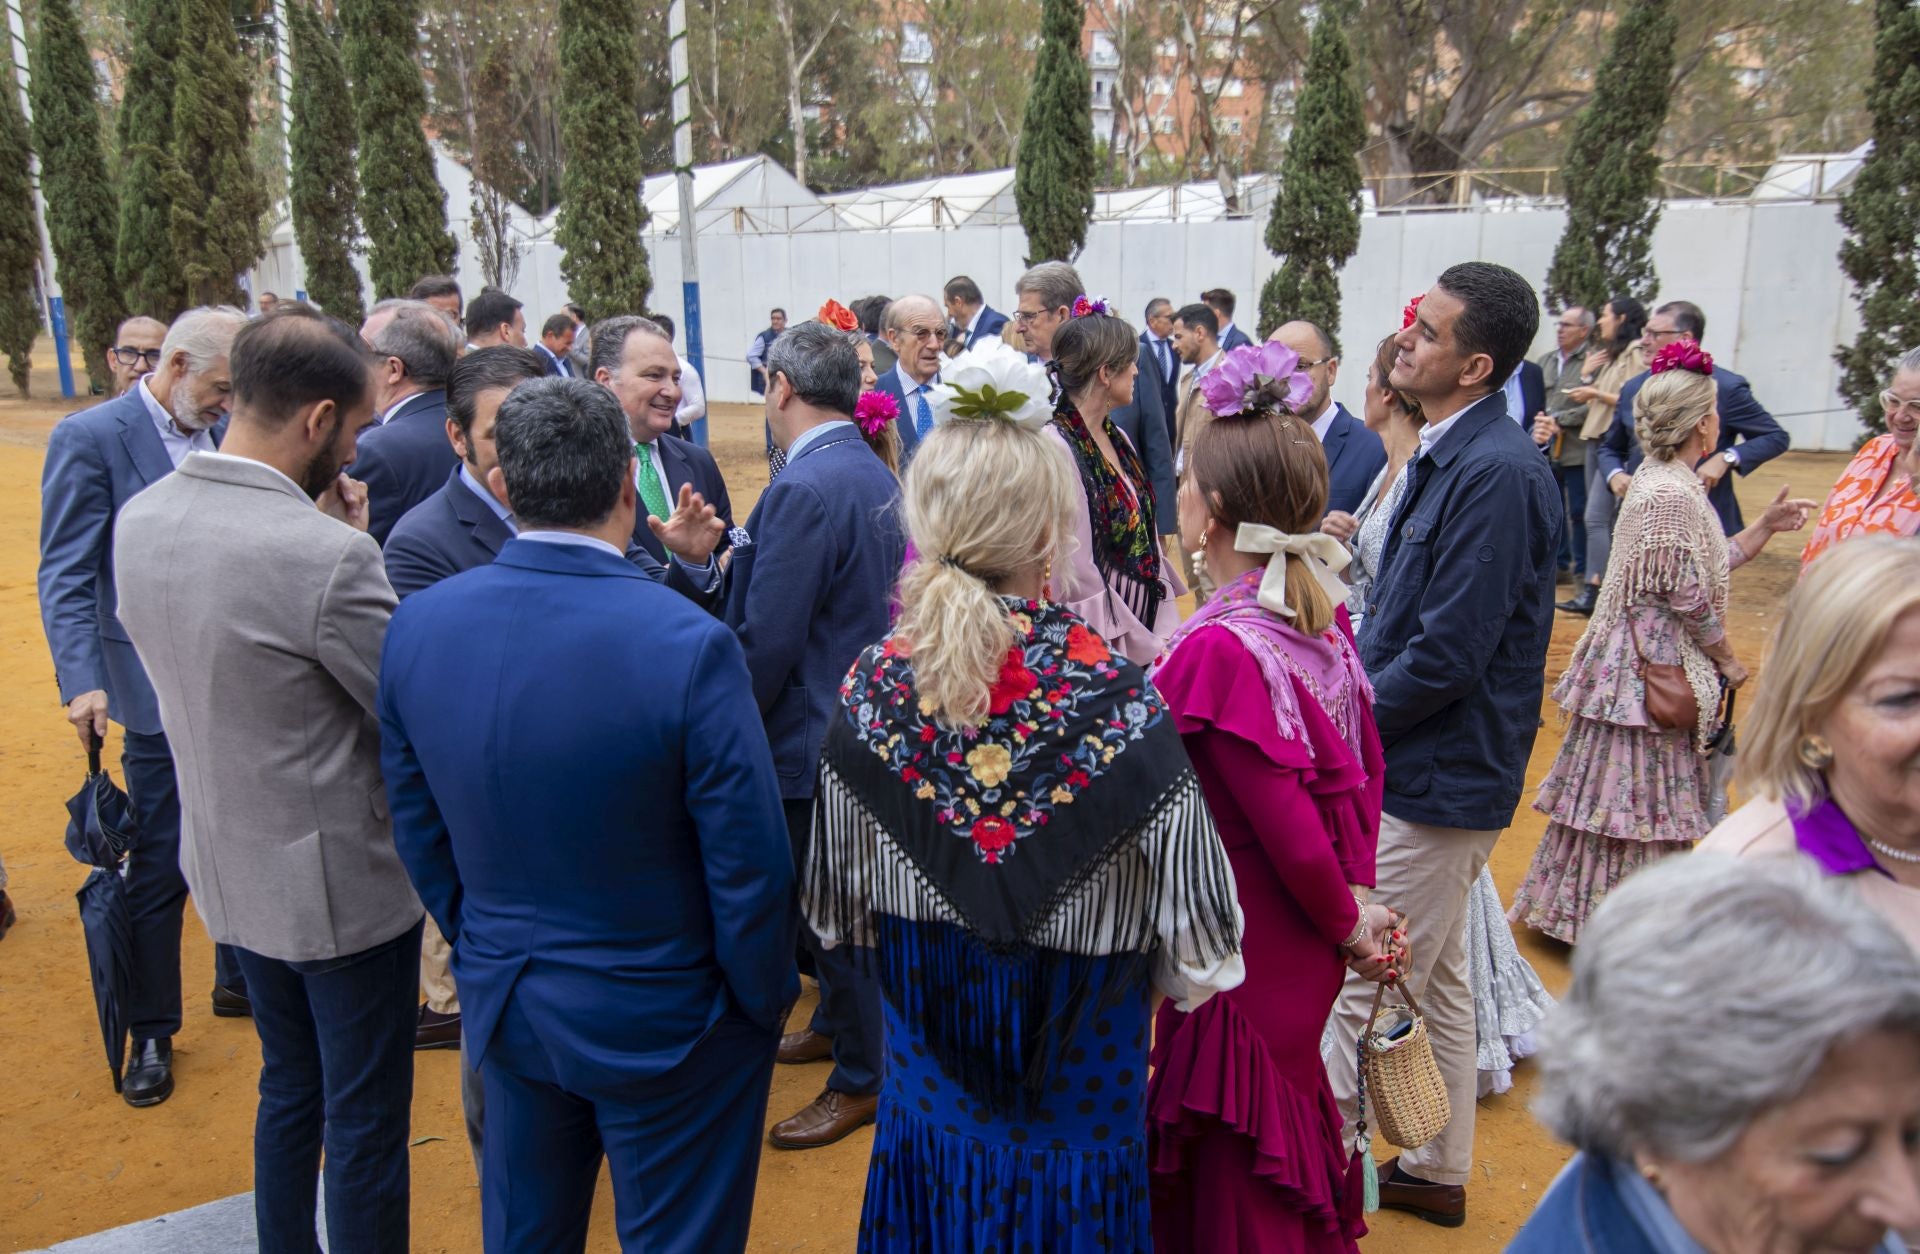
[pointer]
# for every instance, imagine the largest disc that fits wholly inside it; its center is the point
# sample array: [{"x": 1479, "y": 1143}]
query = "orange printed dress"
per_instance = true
[{"x": 1851, "y": 509}]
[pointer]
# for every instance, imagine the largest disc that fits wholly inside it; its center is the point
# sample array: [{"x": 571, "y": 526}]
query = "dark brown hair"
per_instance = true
[
  {"x": 1383, "y": 369},
  {"x": 1270, "y": 470},
  {"x": 1083, "y": 345}
]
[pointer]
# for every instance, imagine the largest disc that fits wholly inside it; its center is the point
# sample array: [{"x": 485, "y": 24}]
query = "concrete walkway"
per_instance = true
[{"x": 221, "y": 1227}]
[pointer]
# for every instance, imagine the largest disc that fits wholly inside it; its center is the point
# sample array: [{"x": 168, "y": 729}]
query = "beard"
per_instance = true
[
  {"x": 185, "y": 415},
  {"x": 323, "y": 467}
]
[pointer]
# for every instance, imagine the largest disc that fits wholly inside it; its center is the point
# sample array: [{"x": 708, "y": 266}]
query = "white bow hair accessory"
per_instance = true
[{"x": 1325, "y": 558}]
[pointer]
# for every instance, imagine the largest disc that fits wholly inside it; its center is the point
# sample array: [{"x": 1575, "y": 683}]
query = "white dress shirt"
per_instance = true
[
  {"x": 394, "y": 411},
  {"x": 1324, "y": 423},
  {"x": 693, "y": 396},
  {"x": 178, "y": 443}
]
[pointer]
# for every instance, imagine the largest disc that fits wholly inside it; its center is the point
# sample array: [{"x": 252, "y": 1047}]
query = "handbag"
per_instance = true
[
  {"x": 1670, "y": 700},
  {"x": 1398, "y": 1070}
]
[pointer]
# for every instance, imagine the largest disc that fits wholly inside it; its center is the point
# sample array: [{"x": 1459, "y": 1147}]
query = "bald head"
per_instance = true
[
  {"x": 916, "y": 328},
  {"x": 135, "y": 350},
  {"x": 1315, "y": 347}
]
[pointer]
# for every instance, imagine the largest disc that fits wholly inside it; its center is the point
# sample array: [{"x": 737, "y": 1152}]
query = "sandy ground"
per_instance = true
[{"x": 75, "y": 1159}]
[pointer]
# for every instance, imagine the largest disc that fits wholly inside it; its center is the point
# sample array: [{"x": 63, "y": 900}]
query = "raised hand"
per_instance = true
[
  {"x": 694, "y": 529},
  {"x": 1784, "y": 514}
]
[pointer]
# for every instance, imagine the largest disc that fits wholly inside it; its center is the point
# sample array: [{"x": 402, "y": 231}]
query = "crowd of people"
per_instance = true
[{"x": 471, "y": 717}]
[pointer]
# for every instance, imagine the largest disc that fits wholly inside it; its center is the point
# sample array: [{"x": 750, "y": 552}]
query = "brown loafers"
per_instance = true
[
  {"x": 832, "y": 1115},
  {"x": 806, "y": 1045},
  {"x": 1442, "y": 1204}
]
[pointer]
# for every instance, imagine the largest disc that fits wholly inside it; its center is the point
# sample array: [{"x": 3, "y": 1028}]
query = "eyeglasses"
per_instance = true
[
  {"x": 1896, "y": 404},
  {"x": 1024, "y": 316},
  {"x": 131, "y": 356},
  {"x": 922, "y": 333},
  {"x": 1656, "y": 332},
  {"x": 1309, "y": 365},
  {"x": 1571, "y": 326}
]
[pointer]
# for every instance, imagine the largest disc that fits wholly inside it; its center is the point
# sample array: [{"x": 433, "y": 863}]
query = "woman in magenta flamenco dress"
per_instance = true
[{"x": 1267, "y": 692}]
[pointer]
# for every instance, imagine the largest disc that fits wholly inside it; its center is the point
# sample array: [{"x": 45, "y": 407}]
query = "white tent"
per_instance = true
[
  {"x": 982, "y": 199},
  {"x": 752, "y": 196}
]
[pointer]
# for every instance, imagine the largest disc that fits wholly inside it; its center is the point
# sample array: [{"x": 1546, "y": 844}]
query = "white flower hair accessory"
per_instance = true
[{"x": 993, "y": 380}]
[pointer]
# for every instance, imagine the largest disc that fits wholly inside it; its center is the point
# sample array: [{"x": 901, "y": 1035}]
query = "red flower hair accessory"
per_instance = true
[
  {"x": 1683, "y": 355},
  {"x": 1411, "y": 312},
  {"x": 874, "y": 411},
  {"x": 835, "y": 314},
  {"x": 1082, "y": 306}
]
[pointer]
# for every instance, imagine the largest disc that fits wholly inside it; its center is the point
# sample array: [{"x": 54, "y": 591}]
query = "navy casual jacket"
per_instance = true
[
  {"x": 1455, "y": 638},
  {"x": 1743, "y": 421}
]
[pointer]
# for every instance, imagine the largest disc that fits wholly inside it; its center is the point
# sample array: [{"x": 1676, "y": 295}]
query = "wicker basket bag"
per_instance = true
[{"x": 1398, "y": 1071}]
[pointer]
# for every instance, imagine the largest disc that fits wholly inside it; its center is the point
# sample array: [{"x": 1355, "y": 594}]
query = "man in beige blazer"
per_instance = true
[{"x": 260, "y": 619}]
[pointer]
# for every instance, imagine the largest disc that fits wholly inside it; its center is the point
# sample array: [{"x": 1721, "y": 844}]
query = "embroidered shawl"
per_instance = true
[{"x": 1126, "y": 543}]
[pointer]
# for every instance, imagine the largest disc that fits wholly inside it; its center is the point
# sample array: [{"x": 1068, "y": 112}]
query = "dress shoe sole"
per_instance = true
[
  {"x": 1436, "y": 1218},
  {"x": 781, "y": 1143},
  {"x": 232, "y": 1012},
  {"x": 152, "y": 1097},
  {"x": 420, "y": 1045},
  {"x": 802, "y": 1059}
]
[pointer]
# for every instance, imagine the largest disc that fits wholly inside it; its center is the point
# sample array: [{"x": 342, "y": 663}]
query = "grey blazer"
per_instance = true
[{"x": 260, "y": 620}]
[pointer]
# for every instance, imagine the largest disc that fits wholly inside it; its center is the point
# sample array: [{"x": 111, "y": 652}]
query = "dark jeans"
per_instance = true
[
  {"x": 1573, "y": 537},
  {"x": 157, "y": 892},
  {"x": 336, "y": 1068},
  {"x": 849, "y": 1009}
]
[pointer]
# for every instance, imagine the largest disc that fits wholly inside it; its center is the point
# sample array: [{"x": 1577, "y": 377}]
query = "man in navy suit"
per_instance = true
[
  {"x": 1525, "y": 392},
  {"x": 633, "y": 358},
  {"x": 1354, "y": 454},
  {"x": 971, "y": 318},
  {"x": 406, "y": 458},
  {"x": 808, "y": 591},
  {"x": 914, "y": 330},
  {"x": 588, "y": 808},
  {"x": 1158, "y": 338},
  {"x": 96, "y": 461},
  {"x": 556, "y": 344},
  {"x": 1749, "y": 437},
  {"x": 1222, "y": 302}
]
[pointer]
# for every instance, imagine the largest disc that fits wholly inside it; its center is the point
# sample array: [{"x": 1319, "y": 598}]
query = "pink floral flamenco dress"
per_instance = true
[{"x": 1625, "y": 792}]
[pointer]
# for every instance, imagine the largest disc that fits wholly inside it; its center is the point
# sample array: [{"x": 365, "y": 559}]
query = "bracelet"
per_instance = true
[{"x": 1359, "y": 928}]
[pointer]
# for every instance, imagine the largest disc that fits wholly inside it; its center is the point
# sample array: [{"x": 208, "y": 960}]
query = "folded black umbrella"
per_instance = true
[{"x": 101, "y": 831}]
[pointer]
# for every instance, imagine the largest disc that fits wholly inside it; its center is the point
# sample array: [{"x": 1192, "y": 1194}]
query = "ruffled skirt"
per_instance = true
[{"x": 1509, "y": 1001}]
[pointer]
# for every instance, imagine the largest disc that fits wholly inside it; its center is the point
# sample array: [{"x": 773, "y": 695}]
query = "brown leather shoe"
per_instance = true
[
  {"x": 806, "y": 1045},
  {"x": 437, "y": 1031},
  {"x": 832, "y": 1116},
  {"x": 1442, "y": 1204}
]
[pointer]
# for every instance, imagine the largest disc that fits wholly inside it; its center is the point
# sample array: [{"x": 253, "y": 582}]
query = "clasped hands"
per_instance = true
[{"x": 1383, "y": 952}]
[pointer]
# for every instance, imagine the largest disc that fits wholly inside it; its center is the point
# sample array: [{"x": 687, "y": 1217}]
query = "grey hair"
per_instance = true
[
  {"x": 421, "y": 337},
  {"x": 564, "y": 451},
  {"x": 895, "y": 317},
  {"x": 1909, "y": 361},
  {"x": 1586, "y": 316},
  {"x": 204, "y": 334},
  {"x": 1707, "y": 990},
  {"x": 820, "y": 363},
  {"x": 609, "y": 340},
  {"x": 1056, "y": 283}
]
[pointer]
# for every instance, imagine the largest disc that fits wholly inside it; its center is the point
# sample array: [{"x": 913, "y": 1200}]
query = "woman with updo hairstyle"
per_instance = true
[
  {"x": 1009, "y": 831},
  {"x": 1396, "y": 418},
  {"x": 1269, "y": 696},
  {"x": 1629, "y": 788},
  {"x": 1113, "y": 575}
]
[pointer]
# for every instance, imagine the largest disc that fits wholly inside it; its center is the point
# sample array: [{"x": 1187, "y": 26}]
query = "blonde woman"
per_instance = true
[
  {"x": 1625, "y": 790},
  {"x": 1008, "y": 825},
  {"x": 1828, "y": 753}
]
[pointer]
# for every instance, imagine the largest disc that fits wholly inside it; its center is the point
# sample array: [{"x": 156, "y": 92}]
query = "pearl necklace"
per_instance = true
[{"x": 1898, "y": 855}]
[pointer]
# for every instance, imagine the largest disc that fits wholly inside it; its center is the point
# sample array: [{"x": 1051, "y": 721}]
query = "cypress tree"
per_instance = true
[
  {"x": 402, "y": 205},
  {"x": 1315, "y": 223},
  {"x": 1882, "y": 215},
  {"x": 324, "y": 189},
  {"x": 602, "y": 257},
  {"x": 1612, "y": 169},
  {"x": 81, "y": 212},
  {"x": 149, "y": 273},
  {"x": 19, "y": 236},
  {"x": 1054, "y": 169},
  {"x": 218, "y": 197}
]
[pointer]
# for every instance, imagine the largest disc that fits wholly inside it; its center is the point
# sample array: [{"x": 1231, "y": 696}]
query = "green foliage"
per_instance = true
[
  {"x": 149, "y": 274},
  {"x": 80, "y": 205},
  {"x": 19, "y": 235},
  {"x": 325, "y": 189},
  {"x": 1316, "y": 215},
  {"x": 603, "y": 259},
  {"x": 401, "y": 203},
  {"x": 217, "y": 197},
  {"x": 1053, "y": 174},
  {"x": 1882, "y": 216},
  {"x": 1612, "y": 168}
]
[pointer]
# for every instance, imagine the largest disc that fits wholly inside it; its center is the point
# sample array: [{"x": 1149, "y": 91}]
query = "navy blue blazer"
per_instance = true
[
  {"x": 812, "y": 589},
  {"x": 891, "y": 382},
  {"x": 96, "y": 461},
  {"x": 1458, "y": 620},
  {"x": 403, "y": 462},
  {"x": 454, "y": 530},
  {"x": 554, "y": 365},
  {"x": 1145, "y": 423},
  {"x": 686, "y": 462},
  {"x": 1743, "y": 421},
  {"x": 1169, "y": 381},
  {"x": 1235, "y": 338},
  {"x": 1354, "y": 456},
  {"x": 588, "y": 810},
  {"x": 1533, "y": 392},
  {"x": 992, "y": 323}
]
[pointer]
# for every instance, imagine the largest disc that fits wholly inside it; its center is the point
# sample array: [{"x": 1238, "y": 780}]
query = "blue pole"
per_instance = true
[
  {"x": 57, "y": 315},
  {"x": 696, "y": 348}
]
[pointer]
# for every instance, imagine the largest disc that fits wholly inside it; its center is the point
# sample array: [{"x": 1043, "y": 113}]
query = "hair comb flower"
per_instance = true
[
  {"x": 835, "y": 314},
  {"x": 1411, "y": 312},
  {"x": 1255, "y": 379},
  {"x": 874, "y": 411},
  {"x": 1082, "y": 306},
  {"x": 1682, "y": 355}
]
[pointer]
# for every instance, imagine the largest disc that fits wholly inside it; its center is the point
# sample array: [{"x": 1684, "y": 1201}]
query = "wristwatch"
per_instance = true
[{"x": 1730, "y": 457}]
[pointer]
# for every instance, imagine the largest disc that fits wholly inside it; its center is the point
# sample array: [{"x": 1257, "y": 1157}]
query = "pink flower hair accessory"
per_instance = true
[
  {"x": 1255, "y": 378},
  {"x": 1683, "y": 355},
  {"x": 874, "y": 411},
  {"x": 1082, "y": 306},
  {"x": 1411, "y": 312}
]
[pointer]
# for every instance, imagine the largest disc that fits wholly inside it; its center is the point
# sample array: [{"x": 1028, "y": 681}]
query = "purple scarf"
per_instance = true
[{"x": 1828, "y": 836}]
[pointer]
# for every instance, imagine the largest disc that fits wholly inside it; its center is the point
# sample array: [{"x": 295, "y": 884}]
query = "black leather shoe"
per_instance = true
[
  {"x": 231, "y": 1003},
  {"x": 149, "y": 1079},
  {"x": 436, "y": 1031},
  {"x": 1583, "y": 602}
]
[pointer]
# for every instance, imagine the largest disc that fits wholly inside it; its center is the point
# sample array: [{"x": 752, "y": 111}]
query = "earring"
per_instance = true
[
  {"x": 1651, "y": 1174},
  {"x": 1815, "y": 753}
]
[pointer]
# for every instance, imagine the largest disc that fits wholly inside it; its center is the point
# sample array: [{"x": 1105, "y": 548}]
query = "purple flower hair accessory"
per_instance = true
[
  {"x": 1082, "y": 306},
  {"x": 1254, "y": 378}
]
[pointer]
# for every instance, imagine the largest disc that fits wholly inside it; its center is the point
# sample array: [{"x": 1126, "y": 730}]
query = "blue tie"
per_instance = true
[{"x": 922, "y": 412}]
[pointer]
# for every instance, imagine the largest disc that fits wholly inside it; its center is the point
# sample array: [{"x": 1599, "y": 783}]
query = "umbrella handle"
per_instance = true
[{"x": 94, "y": 746}]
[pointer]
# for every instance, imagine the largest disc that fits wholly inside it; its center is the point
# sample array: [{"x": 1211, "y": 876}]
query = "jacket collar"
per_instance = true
[
  {"x": 850, "y": 435},
  {"x": 242, "y": 472},
  {"x": 565, "y": 559},
  {"x": 419, "y": 402},
  {"x": 137, "y": 433},
  {"x": 1470, "y": 422},
  {"x": 474, "y": 514}
]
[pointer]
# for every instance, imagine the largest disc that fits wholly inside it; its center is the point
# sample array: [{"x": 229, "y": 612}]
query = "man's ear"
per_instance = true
[
  {"x": 454, "y": 438},
  {"x": 497, "y": 484},
  {"x": 321, "y": 421}
]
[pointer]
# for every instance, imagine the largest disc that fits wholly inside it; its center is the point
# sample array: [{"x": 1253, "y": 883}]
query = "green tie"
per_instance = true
[{"x": 652, "y": 491}]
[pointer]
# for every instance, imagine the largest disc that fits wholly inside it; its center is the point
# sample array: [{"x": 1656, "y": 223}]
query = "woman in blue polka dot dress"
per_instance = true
[{"x": 1008, "y": 829}]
